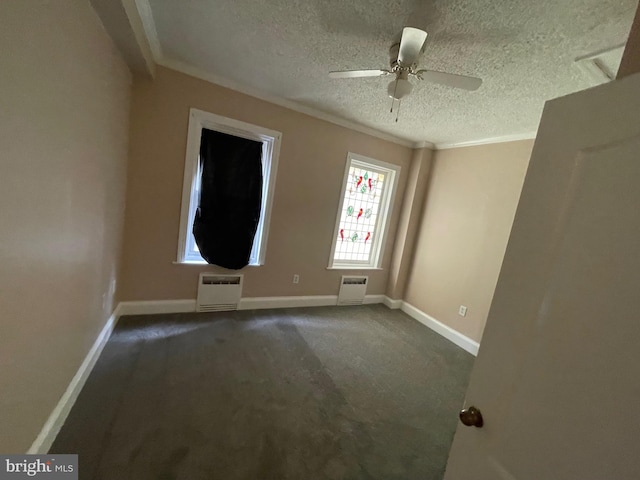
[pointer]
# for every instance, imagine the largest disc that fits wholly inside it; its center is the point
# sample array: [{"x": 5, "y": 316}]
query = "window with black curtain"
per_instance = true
[{"x": 228, "y": 212}]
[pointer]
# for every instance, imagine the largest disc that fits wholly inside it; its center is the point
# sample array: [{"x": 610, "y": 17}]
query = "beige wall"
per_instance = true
[
  {"x": 470, "y": 204},
  {"x": 64, "y": 101},
  {"x": 311, "y": 167}
]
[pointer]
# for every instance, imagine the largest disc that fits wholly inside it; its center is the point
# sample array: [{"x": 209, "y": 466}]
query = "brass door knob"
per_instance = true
[{"x": 471, "y": 417}]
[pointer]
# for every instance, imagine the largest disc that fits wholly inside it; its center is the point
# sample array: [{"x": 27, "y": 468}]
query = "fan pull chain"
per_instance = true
[
  {"x": 395, "y": 87},
  {"x": 398, "y": 110}
]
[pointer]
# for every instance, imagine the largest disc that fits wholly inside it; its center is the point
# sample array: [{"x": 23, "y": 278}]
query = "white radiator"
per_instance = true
[
  {"x": 352, "y": 290},
  {"x": 218, "y": 292}
]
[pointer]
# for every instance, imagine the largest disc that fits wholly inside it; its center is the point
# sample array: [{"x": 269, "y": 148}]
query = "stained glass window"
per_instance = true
[{"x": 362, "y": 216}]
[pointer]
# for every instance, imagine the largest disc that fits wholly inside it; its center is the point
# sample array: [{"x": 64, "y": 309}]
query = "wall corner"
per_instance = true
[{"x": 412, "y": 205}]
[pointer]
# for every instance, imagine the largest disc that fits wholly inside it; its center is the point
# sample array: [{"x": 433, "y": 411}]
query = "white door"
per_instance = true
[{"x": 557, "y": 378}]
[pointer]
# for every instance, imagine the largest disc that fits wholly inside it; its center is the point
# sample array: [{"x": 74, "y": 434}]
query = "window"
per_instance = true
[
  {"x": 187, "y": 248},
  {"x": 367, "y": 196}
]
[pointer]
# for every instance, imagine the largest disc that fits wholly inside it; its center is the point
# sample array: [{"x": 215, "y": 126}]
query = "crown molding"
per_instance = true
[
  {"x": 146, "y": 14},
  {"x": 487, "y": 141},
  {"x": 196, "y": 72},
  {"x": 424, "y": 144},
  {"x": 149, "y": 25}
]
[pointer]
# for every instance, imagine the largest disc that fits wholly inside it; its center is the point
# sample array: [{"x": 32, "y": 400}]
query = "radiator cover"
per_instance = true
[
  {"x": 352, "y": 290},
  {"x": 218, "y": 292}
]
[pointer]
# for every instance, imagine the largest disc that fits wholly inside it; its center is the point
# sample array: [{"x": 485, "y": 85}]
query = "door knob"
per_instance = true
[{"x": 471, "y": 417}]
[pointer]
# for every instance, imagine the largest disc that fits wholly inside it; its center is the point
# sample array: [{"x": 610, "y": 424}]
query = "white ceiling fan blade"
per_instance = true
[
  {"x": 450, "y": 79},
  {"x": 358, "y": 73},
  {"x": 411, "y": 45}
]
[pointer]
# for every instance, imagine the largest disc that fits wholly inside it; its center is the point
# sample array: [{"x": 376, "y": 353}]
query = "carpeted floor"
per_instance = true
[{"x": 294, "y": 394}]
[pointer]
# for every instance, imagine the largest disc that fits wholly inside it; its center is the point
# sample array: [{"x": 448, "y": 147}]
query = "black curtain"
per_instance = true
[{"x": 230, "y": 198}]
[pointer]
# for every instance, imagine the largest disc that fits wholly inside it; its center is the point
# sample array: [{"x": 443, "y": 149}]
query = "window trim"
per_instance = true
[
  {"x": 386, "y": 206},
  {"x": 271, "y": 139}
]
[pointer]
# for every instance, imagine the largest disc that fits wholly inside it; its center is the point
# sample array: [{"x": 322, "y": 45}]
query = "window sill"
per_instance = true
[
  {"x": 205, "y": 264},
  {"x": 354, "y": 268}
]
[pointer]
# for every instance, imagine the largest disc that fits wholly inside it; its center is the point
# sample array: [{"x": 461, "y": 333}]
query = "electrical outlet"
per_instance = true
[
  {"x": 296, "y": 278},
  {"x": 462, "y": 311}
]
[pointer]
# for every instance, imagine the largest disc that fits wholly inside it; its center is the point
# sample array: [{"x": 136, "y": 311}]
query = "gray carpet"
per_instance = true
[{"x": 318, "y": 393}]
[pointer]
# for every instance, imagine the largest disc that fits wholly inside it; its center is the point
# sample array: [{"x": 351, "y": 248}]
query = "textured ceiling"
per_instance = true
[{"x": 524, "y": 51}]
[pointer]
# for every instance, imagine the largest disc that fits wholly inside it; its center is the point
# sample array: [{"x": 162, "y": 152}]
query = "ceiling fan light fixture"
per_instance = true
[
  {"x": 404, "y": 57},
  {"x": 399, "y": 88}
]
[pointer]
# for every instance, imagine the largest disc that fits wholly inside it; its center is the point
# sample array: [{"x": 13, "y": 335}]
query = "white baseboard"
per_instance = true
[
  {"x": 58, "y": 416},
  {"x": 256, "y": 303},
  {"x": 150, "y": 307},
  {"x": 391, "y": 303},
  {"x": 447, "y": 332},
  {"x": 371, "y": 299}
]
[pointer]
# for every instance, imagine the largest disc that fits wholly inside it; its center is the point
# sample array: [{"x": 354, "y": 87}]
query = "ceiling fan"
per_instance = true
[{"x": 404, "y": 57}]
